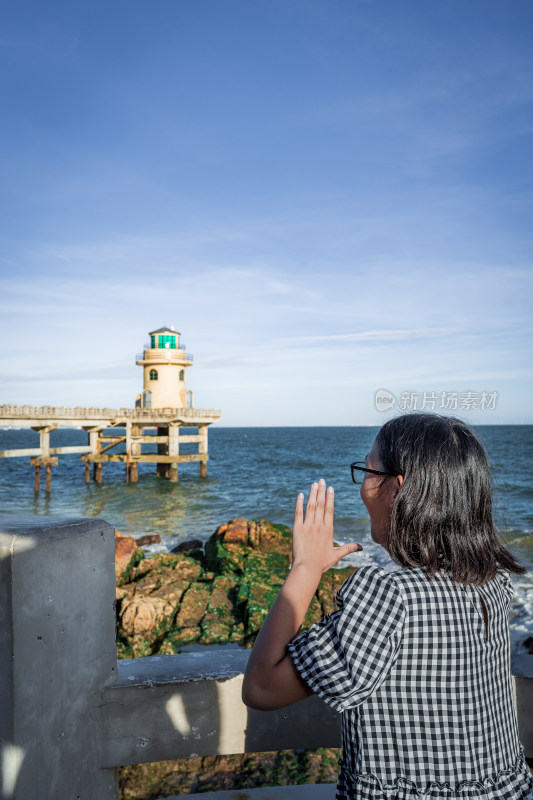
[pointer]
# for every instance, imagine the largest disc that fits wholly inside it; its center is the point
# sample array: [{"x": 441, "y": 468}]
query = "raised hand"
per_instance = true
[
  {"x": 312, "y": 534},
  {"x": 271, "y": 679}
]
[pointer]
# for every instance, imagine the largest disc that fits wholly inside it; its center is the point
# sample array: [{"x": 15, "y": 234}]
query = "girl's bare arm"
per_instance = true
[{"x": 271, "y": 680}]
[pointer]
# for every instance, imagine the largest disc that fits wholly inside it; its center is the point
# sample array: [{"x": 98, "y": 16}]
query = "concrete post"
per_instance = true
[
  {"x": 94, "y": 444},
  {"x": 174, "y": 450},
  {"x": 57, "y": 652},
  {"x": 94, "y": 441},
  {"x": 135, "y": 452},
  {"x": 202, "y": 448},
  {"x": 162, "y": 450}
]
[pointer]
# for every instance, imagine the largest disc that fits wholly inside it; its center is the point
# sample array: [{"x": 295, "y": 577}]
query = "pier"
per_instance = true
[{"x": 171, "y": 424}]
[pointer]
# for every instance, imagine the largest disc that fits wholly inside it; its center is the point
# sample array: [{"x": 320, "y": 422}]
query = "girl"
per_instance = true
[{"x": 416, "y": 658}]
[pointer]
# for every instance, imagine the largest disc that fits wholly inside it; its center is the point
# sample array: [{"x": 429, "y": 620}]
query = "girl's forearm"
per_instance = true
[
  {"x": 271, "y": 680},
  {"x": 286, "y": 616}
]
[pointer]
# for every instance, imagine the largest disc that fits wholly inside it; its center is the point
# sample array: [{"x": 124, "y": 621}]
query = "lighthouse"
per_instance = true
[
  {"x": 164, "y": 361},
  {"x": 165, "y": 405}
]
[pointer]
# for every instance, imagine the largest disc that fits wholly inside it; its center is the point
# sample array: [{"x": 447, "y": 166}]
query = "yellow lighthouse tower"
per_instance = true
[{"x": 164, "y": 361}]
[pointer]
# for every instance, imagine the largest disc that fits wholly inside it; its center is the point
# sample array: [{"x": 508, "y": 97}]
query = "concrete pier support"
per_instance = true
[
  {"x": 133, "y": 445},
  {"x": 47, "y": 462},
  {"x": 173, "y": 450},
  {"x": 162, "y": 450},
  {"x": 57, "y": 631},
  {"x": 97, "y": 471},
  {"x": 133, "y": 472},
  {"x": 202, "y": 449},
  {"x": 87, "y": 472},
  {"x": 37, "y": 478}
]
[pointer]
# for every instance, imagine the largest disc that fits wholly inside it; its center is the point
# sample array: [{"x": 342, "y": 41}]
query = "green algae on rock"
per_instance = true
[
  {"x": 218, "y": 596},
  {"x": 238, "y": 772}
]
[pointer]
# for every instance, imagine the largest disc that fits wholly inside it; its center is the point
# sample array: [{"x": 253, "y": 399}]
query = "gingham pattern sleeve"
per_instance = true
[
  {"x": 347, "y": 656},
  {"x": 506, "y": 588}
]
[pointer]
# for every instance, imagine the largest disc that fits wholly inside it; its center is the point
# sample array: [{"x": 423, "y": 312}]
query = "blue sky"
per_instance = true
[{"x": 325, "y": 198}]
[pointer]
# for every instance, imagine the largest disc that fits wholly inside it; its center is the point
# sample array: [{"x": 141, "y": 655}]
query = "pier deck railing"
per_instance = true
[
  {"x": 27, "y": 415},
  {"x": 71, "y": 713}
]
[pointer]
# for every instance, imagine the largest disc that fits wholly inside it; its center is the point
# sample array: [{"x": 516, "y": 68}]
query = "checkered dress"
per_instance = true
[{"x": 426, "y": 694}]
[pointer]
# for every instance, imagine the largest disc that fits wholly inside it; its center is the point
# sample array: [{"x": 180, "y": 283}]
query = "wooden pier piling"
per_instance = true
[
  {"x": 132, "y": 473},
  {"x": 43, "y": 461}
]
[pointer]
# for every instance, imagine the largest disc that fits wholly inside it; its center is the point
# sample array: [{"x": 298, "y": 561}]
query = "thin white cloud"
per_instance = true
[{"x": 371, "y": 335}]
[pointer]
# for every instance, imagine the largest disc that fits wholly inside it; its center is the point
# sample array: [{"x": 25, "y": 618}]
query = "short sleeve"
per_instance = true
[
  {"x": 346, "y": 657},
  {"x": 506, "y": 588}
]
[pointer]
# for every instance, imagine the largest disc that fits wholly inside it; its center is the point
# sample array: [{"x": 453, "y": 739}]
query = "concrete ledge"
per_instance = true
[
  {"x": 323, "y": 791},
  {"x": 166, "y": 707}
]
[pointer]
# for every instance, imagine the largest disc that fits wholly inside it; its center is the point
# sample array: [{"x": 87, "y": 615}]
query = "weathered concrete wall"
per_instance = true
[
  {"x": 57, "y": 629},
  {"x": 165, "y": 707}
]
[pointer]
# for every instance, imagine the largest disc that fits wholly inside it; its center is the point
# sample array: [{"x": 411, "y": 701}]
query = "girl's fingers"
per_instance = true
[
  {"x": 329, "y": 508},
  {"x": 311, "y": 503},
  {"x": 299, "y": 509},
  {"x": 345, "y": 550},
  {"x": 320, "y": 500}
]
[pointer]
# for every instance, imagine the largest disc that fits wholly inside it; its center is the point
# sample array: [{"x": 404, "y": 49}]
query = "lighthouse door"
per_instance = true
[{"x": 147, "y": 399}]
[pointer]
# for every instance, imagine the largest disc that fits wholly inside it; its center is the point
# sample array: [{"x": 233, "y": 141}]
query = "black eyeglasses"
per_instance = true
[{"x": 358, "y": 467}]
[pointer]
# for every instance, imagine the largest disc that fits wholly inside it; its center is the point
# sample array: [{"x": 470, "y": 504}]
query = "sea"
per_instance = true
[{"x": 256, "y": 473}]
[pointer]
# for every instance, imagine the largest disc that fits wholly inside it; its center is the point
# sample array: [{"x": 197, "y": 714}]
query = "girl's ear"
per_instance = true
[{"x": 397, "y": 485}]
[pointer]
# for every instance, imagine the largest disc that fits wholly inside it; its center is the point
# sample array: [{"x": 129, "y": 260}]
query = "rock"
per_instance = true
[
  {"x": 193, "y": 606},
  {"x": 188, "y": 546},
  {"x": 238, "y": 772},
  {"x": 173, "y": 599},
  {"x": 528, "y": 644},
  {"x": 149, "y": 538},
  {"x": 139, "y": 615},
  {"x": 127, "y": 553},
  {"x": 236, "y": 531}
]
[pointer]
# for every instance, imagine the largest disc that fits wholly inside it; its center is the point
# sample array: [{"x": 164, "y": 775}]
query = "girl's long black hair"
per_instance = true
[{"x": 442, "y": 518}]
